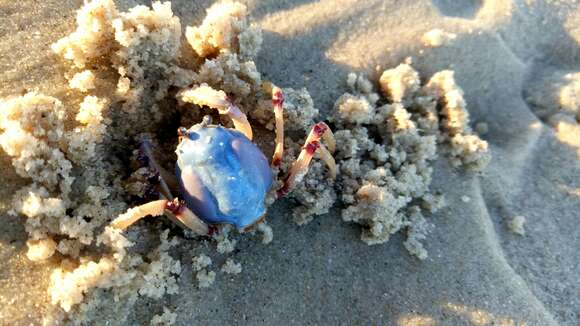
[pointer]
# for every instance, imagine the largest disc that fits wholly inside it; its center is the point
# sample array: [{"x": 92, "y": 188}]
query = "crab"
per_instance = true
[{"x": 222, "y": 176}]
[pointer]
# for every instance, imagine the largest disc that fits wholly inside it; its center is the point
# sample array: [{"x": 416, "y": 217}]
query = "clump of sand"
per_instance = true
[
  {"x": 39, "y": 250},
  {"x": 232, "y": 267},
  {"x": 387, "y": 146},
  {"x": 45, "y": 149},
  {"x": 225, "y": 30},
  {"x": 464, "y": 147},
  {"x": 166, "y": 318},
  {"x": 267, "y": 232},
  {"x": 125, "y": 275},
  {"x": 554, "y": 96},
  {"x": 516, "y": 225},
  {"x": 141, "y": 46},
  {"x": 437, "y": 37},
  {"x": 204, "y": 276},
  {"x": 83, "y": 81}
]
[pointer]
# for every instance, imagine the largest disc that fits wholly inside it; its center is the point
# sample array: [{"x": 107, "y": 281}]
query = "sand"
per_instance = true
[{"x": 516, "y": 63}]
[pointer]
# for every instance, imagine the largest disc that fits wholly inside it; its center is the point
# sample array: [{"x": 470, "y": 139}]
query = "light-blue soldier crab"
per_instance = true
[{"x": 223, "y": 176}]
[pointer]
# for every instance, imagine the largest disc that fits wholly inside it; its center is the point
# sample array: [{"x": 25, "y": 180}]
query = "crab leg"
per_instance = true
[
  {"x": 278, "y": 102},
  {"x": 160, "y": 207},
  {"x": 145, "y": 149},
  {"x": 154, "y": 208},
  {"x": 328, "y": 138},
  {"x": 299, "y": 168},
  {"x": 312, "y": 146},
  {"x": 325, "y": 155},
  {"x": 205, "y": 95}
]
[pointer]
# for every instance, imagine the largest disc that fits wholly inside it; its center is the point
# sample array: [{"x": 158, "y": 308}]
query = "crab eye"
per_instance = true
[{"x": 183, "y": 132}]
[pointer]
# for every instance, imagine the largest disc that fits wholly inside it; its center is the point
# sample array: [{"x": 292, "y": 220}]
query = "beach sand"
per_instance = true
[{"x": 517, "y": 63}]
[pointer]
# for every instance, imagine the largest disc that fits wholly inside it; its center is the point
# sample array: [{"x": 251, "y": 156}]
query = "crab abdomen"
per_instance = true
[{"x": 224, "y": 177}]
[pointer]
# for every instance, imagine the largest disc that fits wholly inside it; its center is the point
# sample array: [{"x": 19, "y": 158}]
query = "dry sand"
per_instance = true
[{"x": 514, "y": 60}]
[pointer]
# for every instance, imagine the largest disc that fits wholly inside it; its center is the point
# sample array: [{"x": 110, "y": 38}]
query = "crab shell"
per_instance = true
[{"x": 224, "y": 177}]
